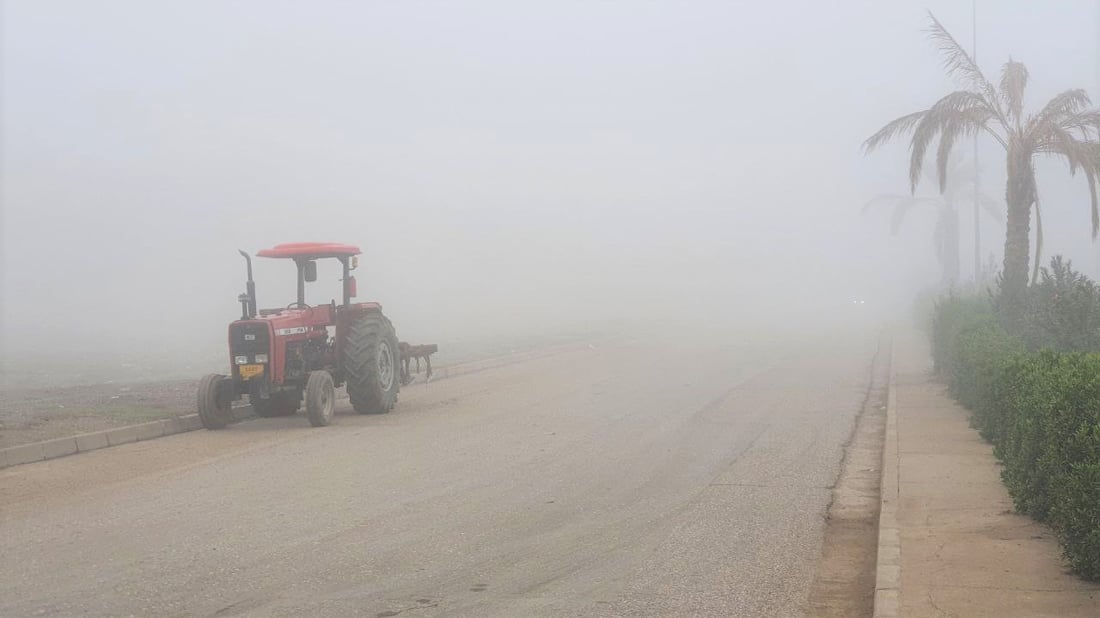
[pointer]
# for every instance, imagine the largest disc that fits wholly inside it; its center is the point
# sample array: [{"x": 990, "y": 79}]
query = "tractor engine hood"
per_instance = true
[{"x": 291, "y": 319}]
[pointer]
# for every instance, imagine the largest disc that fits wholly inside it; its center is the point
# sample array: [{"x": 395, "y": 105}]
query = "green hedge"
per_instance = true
[{"x": 1041, "y": 411}]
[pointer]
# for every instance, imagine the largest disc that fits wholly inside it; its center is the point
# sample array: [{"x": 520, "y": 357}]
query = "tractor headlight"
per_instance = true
[
  {"x": 261, "y": 358},
  {"x": 240, "y": 360}
]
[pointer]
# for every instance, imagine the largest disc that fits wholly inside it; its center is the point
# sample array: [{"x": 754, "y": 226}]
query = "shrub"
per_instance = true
[
  {"x": 1069, "y": 463},
  {"x": 1041, "y": 411},
  {"x": 1075, "y": 515},
  {"x": 1026, "y": 429},
  {"x": 981, "y": 352},
  {"x": 1063, "y": 310},
  {"x": 951, "y": 316}
]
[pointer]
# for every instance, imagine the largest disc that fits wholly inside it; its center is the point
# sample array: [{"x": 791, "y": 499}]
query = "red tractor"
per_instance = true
[{"x": 281, "y": 356}]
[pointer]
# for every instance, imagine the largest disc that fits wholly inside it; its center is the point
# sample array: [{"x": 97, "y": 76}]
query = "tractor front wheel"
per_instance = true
[
  {"x": 215, "y": 401},
  {"x": 372, "y": 364},
  {"x": 320, "y": 398}
]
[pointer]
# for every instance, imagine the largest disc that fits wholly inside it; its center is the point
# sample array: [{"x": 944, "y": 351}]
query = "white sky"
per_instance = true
[{"x": 502, "y": 164}]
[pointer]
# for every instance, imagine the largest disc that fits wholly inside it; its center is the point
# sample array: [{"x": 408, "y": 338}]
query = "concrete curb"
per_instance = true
[
  {"x": 888, "y": 561},
  {"x": 62, "y": 447}
]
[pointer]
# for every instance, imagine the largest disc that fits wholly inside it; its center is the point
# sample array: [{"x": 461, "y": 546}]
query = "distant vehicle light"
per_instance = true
[
  {"x": 261, "y": 358},
  {"x": 241, "y": 360}
]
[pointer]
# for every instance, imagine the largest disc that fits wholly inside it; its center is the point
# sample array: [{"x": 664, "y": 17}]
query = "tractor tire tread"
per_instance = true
[
  {"x": 212, "y": 413},
  {"x": 320, "y": 396},
  {"x": 360, "y": 361}
]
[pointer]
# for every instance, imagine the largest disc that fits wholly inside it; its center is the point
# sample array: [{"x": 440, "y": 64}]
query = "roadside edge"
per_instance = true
[
  {"x": 888, "y": 561},
  {"x": 61, "y": 447}
]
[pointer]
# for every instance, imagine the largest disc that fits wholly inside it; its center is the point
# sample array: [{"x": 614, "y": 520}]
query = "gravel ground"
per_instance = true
[{"x": 617, "y": 480}]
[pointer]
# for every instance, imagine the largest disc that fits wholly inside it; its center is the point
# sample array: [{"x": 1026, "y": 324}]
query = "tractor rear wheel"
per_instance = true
[
  {"x": 283, "y": 403},
  {"x": 215, "y": 401},
  {"x": 320, "y": 398},
  {"x": 372, "y": 363}
]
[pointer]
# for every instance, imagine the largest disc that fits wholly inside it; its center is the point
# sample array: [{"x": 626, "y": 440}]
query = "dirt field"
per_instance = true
[
  {"x": 42, "y": 413},
  {"x": 31, "y": 411}
]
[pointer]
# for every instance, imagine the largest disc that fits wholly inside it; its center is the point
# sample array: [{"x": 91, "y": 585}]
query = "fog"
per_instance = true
[{"x": 508, "y": 169}]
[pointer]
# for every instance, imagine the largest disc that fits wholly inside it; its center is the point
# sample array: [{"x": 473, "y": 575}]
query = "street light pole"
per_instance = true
[
  {"x": 1097, "y": 93},
  {"x": 977, "y": 174}
]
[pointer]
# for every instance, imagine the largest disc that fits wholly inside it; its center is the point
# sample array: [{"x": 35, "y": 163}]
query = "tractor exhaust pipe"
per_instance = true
[{"x": 248, "y": 299}]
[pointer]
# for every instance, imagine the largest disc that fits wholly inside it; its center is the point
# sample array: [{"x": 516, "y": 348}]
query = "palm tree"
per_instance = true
[
  {"x": 945, "y": 236},
  {"x": 1065, "y": 127}
]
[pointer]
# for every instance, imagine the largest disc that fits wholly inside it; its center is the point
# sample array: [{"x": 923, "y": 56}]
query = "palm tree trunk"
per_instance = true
[{"x": 1019, "y": 196}]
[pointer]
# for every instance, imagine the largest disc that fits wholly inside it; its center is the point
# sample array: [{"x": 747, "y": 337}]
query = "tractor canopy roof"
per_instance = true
[{"x": 309, "y": 250}]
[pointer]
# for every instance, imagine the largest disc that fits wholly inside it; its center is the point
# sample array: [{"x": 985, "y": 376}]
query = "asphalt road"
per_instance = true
[{"x": 618, "y": 480}]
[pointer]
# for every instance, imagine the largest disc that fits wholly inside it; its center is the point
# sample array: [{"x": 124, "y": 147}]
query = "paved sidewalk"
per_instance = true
[{"x": 963, "y": 550}]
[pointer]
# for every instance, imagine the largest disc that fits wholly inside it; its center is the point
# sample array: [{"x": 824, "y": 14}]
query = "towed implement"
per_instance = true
[{"x": 299, "y": 353}]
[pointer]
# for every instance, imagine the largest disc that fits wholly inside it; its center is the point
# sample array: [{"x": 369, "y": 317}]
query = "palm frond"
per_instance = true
[
  {"x": 950, "y": 132},
  {"x": 1064, "y": 105},
  {"x": 968, "y": 123},
  {"x": 960, "y": 174},
  {"x": 923, "y": 135},
  {"x": 1067, "y": 102},
  {"x": 960, "y": 179},
  {"x": 1086, "y": 123},
  {"x": 1013, "y": 83},
  {"x": 1080, "y": 154},
  {"x": 1058, "y": 141},
  {"x": 892, "y": 130},
  {"x": 958, "y": 63},
  {"x": 959, "y": 113}
]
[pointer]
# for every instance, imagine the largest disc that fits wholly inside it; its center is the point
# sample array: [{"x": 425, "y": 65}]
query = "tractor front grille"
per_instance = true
[{"x": 249, "y": 338}]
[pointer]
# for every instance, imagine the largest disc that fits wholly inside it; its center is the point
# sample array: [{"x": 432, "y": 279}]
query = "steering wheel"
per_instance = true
[{"x": 299, "y": 305}]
